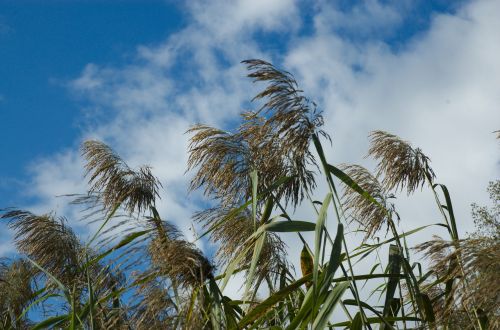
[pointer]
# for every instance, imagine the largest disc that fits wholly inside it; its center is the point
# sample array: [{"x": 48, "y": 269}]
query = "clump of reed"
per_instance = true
[{"x": 138, "y": 271}]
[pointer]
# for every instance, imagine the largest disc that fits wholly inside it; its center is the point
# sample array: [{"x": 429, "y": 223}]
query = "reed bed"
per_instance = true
[{"x": 149, "y": 276}]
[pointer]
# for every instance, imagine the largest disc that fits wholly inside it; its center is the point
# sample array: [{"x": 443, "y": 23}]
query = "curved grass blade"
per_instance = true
[
  {"x": 449, "y": 208},
  {"x": 51, "y": 322},
  {"x": 352, "y": 184},
  {"x": 371, "y": 247},
  {"x": 52, "y": 277},
  {"x": 37, "y": 301},
  {"x": 125, "y": 241},
  {"x": 105, "y": 222},
  {"x": 320, "y": 224},
  {"x": 290, "y": 226},
  {"x": 329, "y": 305}
]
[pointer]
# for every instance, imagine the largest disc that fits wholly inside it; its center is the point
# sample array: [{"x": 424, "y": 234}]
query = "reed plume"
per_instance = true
[
  {"x": 274, "y": 140},
  {"x": 180, "y": 261},
  {"x": 476, "y": 285},
  {"x": 117, "y": 183},
  {"x": 400, "y": 165},
  {"x": 48, "y": 241},
  {"x": 224, "y": 161},
  {"x": 370, "y": 216},
  {"x": 231, "y": 232},
  {"x": 155, "y": 309},
  {"x": 17, "y": 291},
  {"x": 293, "y": 117}
]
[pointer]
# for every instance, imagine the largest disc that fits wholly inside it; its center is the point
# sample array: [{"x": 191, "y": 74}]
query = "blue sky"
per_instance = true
[
  {"x": 137, "y": 74},
  {"x": 45, "y": 45}
]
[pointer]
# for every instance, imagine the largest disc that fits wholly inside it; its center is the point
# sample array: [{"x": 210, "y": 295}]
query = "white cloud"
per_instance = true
[
  {"x": 363, "y": 19},
  {"x": 229, "y": 19},
  {"x": 441, "y": 91}
]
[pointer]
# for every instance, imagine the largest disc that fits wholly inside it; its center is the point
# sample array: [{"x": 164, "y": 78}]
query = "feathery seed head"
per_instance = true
[
  {"x": 48, "y": 241},
  {"x": 17, "y": 288},
  {"x": 275, "y": 141},
  {"x": 474, "y": 265},
  {"x": 180, "y": 261},
  {"x": 118, "y": 184},
  {"x": 231, "y": 232},
  {"x": 400, "y": 164},
  {"x": 370, "y": 216}
]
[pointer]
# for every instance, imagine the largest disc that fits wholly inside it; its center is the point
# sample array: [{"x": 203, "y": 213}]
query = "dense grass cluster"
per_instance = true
[{"x": 138, "y": 271}]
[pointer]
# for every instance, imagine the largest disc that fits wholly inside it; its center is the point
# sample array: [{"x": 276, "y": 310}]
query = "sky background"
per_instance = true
[{"x": 137, "y": 75}]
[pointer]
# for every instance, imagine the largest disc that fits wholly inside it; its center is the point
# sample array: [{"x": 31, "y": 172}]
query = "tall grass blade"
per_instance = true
[
  {"x": 357, "y": 322},
  {"x": 377, "y": 320},
  {"x": 215, "y": 305},
  {"x": 90, "y": 289},
  {"x": 259, "y": 244},
  {"x": 320, "y": 224},
  {"x": 449, "y": 208},
  {"x": 329, "y": 305},
  {"x": 55, "y": 280},
  {"x": 335, "y": 259},
  {"x": 232, "y": 266},
  {"x": 352, "y": 302},
  {"x": 428, "y": 310}
]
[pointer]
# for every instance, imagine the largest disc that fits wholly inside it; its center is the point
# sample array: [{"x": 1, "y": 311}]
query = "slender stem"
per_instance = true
[
  {"x": 402, "y": 306},
  {"x": 412, "y": 289}
]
